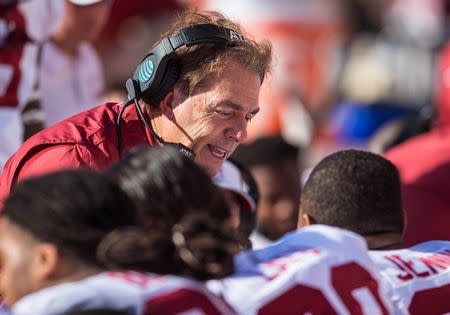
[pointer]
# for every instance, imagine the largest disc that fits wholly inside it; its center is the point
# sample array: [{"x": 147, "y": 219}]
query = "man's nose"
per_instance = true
[{"x": 238, "y": 131}]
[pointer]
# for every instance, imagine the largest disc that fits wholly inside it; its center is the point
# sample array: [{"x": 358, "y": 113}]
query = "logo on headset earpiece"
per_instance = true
[{"x": 146, "y": 71}]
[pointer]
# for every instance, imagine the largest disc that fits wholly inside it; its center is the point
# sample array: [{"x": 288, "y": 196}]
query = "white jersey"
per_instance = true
[
  {"x": 417, "y": 278},
  {"x": 22, "y": 28},
  {"x": 69, "y": 85},
  {"x": 97, "y": 291},
  {"x": 4, "y": 310},
  {"x": 259, "y": 240},
  {"x": 315, "y": 270},
  {"x": 132, "y": 292}
]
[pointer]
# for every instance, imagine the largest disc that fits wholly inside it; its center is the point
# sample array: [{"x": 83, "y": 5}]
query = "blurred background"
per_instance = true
[
  {"x": 366, "y": 74},
  {"x": 347, "y": 73}
]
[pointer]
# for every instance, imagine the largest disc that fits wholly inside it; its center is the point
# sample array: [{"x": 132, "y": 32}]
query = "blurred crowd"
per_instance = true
[
  {"x": 349, "y": 73},
  {"x": 358, "y": 90}
]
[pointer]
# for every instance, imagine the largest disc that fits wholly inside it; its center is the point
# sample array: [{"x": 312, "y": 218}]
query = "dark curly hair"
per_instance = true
[{"x": 183, "y": 217}]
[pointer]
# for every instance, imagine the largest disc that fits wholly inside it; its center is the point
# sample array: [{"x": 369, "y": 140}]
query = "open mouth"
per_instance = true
[{"x": 217, "y": 152}]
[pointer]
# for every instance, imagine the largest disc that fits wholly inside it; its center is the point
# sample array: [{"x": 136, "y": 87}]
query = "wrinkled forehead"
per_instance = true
[{"x": 235, "y": 85}]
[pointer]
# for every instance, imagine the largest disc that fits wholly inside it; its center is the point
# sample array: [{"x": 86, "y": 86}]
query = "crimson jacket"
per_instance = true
[
  {"x": 88, "y": 139},
  {"x": 424, "y": 166}
]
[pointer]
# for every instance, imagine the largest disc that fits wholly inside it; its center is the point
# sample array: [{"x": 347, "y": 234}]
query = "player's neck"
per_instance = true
[
  {"x": 72, "y": 273},
  {"x": 385, "y": 241}
]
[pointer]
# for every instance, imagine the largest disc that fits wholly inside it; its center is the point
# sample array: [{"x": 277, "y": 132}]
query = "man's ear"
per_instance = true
[
  {"x": 46, "y": 260},
  {"x": 305, "y": 219},
  {"x": 167, "y": 104}
]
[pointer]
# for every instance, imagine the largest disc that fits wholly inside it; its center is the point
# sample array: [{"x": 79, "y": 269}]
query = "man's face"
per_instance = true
[
  {"x": 15, "y": 262},
  {"x": 213, "y": 121},
  {"x": 279, "y": 188}
]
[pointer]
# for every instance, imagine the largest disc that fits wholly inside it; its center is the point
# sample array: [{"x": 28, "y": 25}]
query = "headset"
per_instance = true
[{"x": 159, "y": 70}]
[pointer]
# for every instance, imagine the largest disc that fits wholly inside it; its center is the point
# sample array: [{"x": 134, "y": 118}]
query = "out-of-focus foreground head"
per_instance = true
[
  {"x": 184, "y": 218},
  {"x": 51, "y": 227}
]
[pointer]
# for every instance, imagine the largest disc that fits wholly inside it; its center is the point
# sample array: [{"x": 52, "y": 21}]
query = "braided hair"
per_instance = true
[{"x": 184, "y": 228}]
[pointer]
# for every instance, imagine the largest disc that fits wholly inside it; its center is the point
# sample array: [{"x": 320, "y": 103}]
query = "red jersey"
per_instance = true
[
  {"x": 424, "y": 164},
  {"x": 88, "y": 139}
]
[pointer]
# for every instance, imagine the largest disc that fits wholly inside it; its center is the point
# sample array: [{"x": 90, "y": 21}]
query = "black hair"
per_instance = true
[
  {"x": 265, "y": 151},
  {"x": 183, "y": 217},
  {"x": 355, "y": 190},
  {"x": 73, "y": 209}
]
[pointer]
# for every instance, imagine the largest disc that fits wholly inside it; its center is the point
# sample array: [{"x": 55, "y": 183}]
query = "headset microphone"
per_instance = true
[
  {"x": 159, "y": 71},
  {"x": 180, "y": 147}
]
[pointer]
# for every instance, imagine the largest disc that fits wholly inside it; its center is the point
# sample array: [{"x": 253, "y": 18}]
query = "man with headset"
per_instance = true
[{"x": 197, "y": 89}]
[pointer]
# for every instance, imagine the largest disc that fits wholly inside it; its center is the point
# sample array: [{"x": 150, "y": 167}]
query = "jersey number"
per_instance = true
[{"x": 346, "y": 279}]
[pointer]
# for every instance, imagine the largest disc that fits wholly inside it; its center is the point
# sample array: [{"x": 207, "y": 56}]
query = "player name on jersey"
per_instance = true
[
  {"x": 417, "y": 279},
  {"x": 420, "y": 267}
]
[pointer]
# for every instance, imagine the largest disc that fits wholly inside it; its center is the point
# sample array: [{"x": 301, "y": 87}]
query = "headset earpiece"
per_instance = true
[
  {"x": 159, "y": 70},
  {"x": 168, "y": 81}
]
